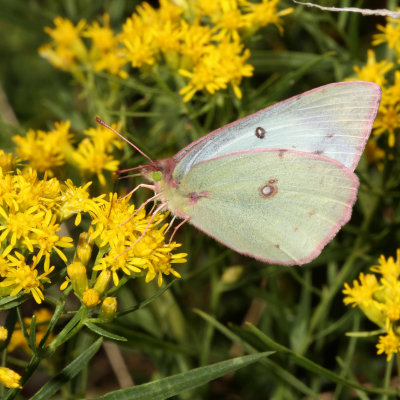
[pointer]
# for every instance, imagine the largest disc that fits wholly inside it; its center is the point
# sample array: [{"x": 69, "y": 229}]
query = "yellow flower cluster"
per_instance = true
[
  {"x": 379, "y": 300},
  {"x": 47, "y": 151},
  {"x": 31, "y": 211},
  {"x": 387, "y": 121},
  {"x": 29, "y": 224},
  {"x": 199, "y": 39}
]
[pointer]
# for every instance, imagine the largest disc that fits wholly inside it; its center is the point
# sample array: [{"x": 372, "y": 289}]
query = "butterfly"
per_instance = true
[{"x": 278, "y": 184}]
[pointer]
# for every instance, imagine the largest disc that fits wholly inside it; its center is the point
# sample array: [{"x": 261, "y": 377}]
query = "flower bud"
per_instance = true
[
  {"x": 91, "y": 297},
  {"x": 77, "y": 274},
  {"x": 102, "y": 281},
  {"x": 108, "y": 308}
]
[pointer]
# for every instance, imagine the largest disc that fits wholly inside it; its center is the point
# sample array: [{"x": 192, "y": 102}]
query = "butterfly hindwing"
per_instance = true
[{"x": 278, "y": 206}]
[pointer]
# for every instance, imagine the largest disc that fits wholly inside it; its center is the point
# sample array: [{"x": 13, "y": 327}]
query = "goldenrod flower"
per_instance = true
[
  {"x": 374, "y": 71},
  {"x": 107, "y": 136},
  {"x": 45, "y": 151},
  {"x": 390, "y": 34},
  {"x": 105, "y": 52},
  {"x": 3, "y": 333},
  {"x": 265, "y": 13},
  {"x": 18, "y": 227},
  {"x": 92, "y": 157},
  {"x": 67, "y": 46},
  {"x": 387, "y": 121},
  {"x": 21, "y": 276},
  {"x": 46, "y": 239},
  {"x": 75, "y": 200},
  {"x": 9, "y": 378},
  {"x": 7, "y": 161},
  {"x": 388, "y": 344},
  {"x": 380, "y": 301}
]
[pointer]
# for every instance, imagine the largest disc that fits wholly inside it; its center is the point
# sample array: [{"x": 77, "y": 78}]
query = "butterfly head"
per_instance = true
[{"x": 160, "y": 171}]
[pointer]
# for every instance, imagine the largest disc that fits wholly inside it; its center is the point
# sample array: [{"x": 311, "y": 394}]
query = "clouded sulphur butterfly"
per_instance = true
[{"x": 279, "y": 184}]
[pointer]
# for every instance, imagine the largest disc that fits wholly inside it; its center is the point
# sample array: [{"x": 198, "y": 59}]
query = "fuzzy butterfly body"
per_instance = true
[{"x": 279, "y": 184}]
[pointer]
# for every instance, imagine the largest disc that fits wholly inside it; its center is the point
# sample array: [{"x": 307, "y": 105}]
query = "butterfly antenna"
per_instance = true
[{"x": 101, "y": 122}]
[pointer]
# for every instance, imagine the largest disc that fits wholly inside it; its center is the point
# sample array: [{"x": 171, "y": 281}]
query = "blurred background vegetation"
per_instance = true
[{"x": 300, "y": 308}]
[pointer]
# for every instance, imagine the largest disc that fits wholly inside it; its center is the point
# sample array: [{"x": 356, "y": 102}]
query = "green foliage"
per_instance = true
[{"x": 169, "y": 346}]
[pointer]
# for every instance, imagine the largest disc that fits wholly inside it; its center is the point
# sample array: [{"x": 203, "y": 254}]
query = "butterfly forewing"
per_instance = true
[
  {"x": 278, "y": 206},
  {"x": 333, "y": 120}
]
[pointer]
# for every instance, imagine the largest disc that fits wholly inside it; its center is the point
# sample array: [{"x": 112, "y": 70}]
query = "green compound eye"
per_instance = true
[{"x": 157, "y": 176}]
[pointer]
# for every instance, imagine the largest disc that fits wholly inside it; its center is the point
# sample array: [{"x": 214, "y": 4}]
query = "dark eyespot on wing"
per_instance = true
[
  {"x": 270, "y": 189},
  {"x": 260, "y": 132}
]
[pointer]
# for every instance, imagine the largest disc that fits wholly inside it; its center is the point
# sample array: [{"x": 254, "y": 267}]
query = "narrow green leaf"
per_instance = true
[
  {"x": 11, "y": 320},
  {"x": 32, "y": 334},
  {"x": 102, "y": 332},
  {"x": 313, "y": 367},
  {"x": 67, "y": 373},
  {"x": 173, "y": 385},
  {"x": 147, "y": 301},
  {"x": 8, "y": 302}
]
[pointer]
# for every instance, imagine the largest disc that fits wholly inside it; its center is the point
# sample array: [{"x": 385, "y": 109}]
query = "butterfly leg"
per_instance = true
[
  {"x": 141, "y": 206},
  {"x": 142, "y": 185},
  {"x": 157, "y": 210},
  {"x": 185, "y": 219}
]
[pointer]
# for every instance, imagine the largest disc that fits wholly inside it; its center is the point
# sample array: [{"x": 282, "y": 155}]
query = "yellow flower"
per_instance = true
[
  {"x": 46, "y": 239},
  {"x": 387, "y": 121},
  {"x": 65, "y": 33},
  {"x": 390, "y": 34},
  {"x": 389, "y": 268},
  {"x": 374, "y": 71},
  {"x": 102, "y": 37},
  {"x": 389, "y": 345},
  {"x": 265, "y": 13},
  {"x": 221, "y": 65},
  {"x": 105, "y": 52},
  {"x": 92, "y": 157},
  {"x": 67, "y": 46},
  {"x": 119, "y": 227},
  {"x": 18, "y": 227},
  {"x": 380, "y": 301},
  {"x": 3, "y": 333},
  {"x": 45, "y": 150},
  {"x": 75, "y": 200},
  {"x": 107, "y": 136},
  {"x": 9, "y": 378},
  {"x": 21, "y": 276},
  {"x": 228, "y": 20},
  {"x": 196, "y": 40},
  {"x": 7, "y": 161},
  {"x": 363, "y": 294}
]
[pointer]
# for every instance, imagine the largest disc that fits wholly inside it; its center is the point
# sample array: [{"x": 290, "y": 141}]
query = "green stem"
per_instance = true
[
  {"x": 72, "y": 328},
  {"x": 386, "y": 380}
]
